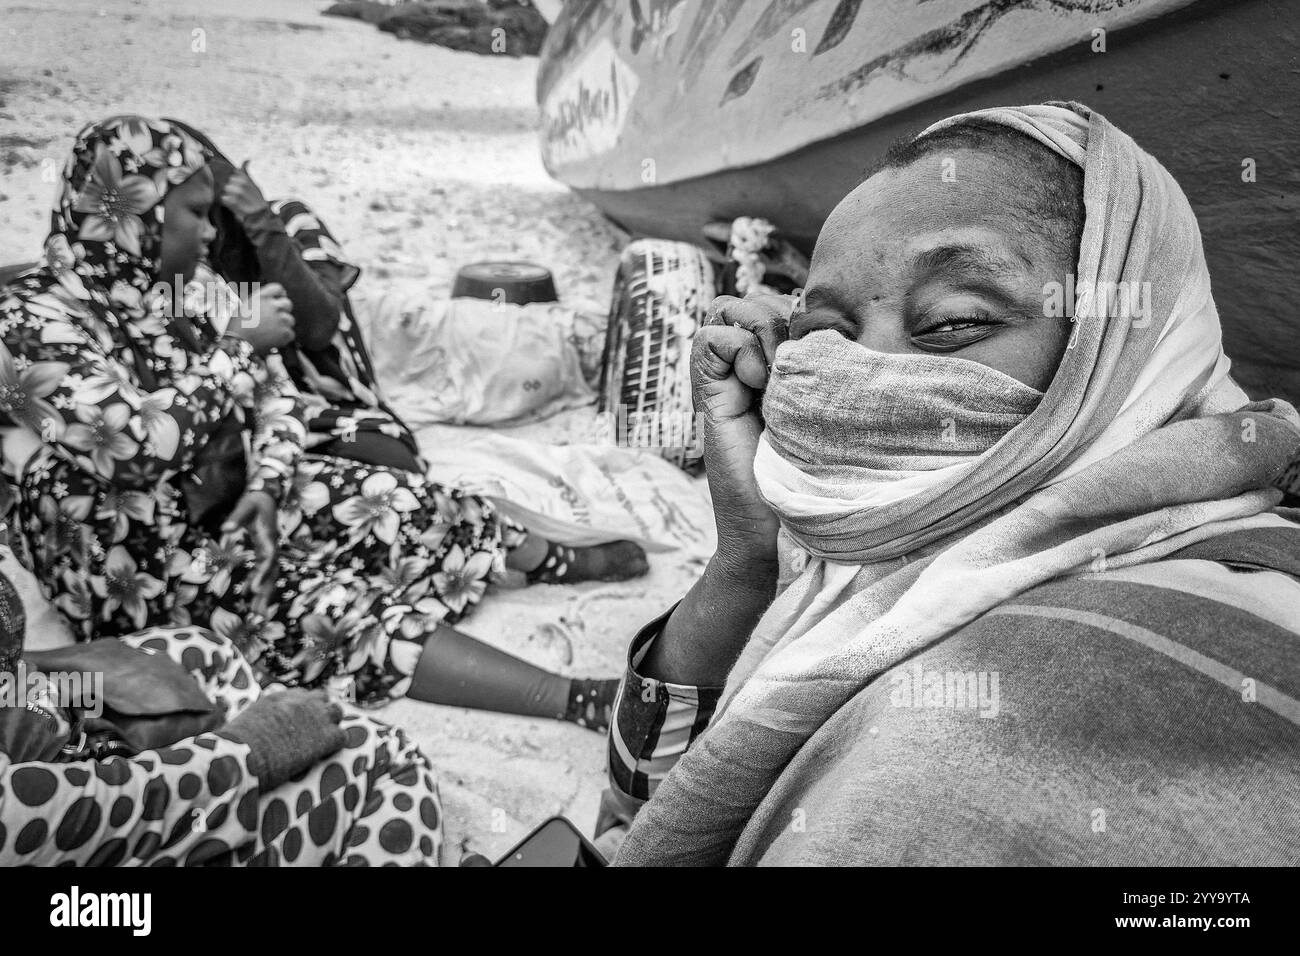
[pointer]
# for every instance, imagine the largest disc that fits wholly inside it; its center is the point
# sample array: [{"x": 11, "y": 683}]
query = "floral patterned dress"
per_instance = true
[{"x": 110, "y": 401}]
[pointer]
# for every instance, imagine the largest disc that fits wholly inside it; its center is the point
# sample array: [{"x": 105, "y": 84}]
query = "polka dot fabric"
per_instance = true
[{"x": 375, "y": 802}]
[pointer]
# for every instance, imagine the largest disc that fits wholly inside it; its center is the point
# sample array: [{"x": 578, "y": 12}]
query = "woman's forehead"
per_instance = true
[
  {"x": 962, "y": 185},
  {"x": 963, "y": 199}
]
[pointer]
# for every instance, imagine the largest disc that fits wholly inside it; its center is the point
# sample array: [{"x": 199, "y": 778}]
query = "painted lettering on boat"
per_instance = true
[{"x": 584, "y": 114}]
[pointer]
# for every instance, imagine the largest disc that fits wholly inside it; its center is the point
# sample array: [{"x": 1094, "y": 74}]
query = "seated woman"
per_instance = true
[
  {"x": 1034, "y": 602},
  {"x": 286, "y": 779},
  {"x": 130, "y": 417},
  {"x": 285, "y": 245}
]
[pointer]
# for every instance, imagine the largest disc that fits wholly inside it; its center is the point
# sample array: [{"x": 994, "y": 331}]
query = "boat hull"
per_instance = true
[
  {"x": 1205, "y": 88},
  {"x": 633, "y": 92}
]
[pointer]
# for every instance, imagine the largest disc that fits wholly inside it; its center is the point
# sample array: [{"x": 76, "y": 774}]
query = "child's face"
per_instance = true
[{"x": 187, "y": 229}]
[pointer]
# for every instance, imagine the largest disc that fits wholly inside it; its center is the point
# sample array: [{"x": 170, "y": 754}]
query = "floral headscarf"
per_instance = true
[
  {"x": 13, "y": 625},
  {"x": 106, "y": 225},
  {"x": 101, "y": 258},
  {"x": 101, "y": 255}
]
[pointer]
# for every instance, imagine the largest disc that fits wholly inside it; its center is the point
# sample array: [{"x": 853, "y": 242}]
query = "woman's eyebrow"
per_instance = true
[
  {"x": 961, "y": 258},
  {"x": 822, "y": 297}
]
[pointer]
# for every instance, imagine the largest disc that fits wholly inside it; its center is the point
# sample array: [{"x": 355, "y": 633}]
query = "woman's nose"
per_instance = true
[{"x": 885, "y": 333}]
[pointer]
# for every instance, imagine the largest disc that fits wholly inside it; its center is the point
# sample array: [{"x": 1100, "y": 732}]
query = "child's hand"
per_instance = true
[{"x": 269, "y": 322}]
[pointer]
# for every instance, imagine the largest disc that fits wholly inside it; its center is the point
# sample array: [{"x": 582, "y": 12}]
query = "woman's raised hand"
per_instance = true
[
  {"x": 242, "y": 196},
  {"x": 269, "y": 323},
  {"x": 731, "y": 358}
]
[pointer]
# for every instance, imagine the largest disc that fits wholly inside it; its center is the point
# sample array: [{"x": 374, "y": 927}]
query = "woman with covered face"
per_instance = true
[
  {"x": 1001, "y": 576},
  {"x": 162, "y": 478}
]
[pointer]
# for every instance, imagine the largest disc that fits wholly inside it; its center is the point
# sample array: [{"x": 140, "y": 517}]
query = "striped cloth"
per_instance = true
[
  {"x": 315, "y": 242},
  {"x": 655, "y": 722},
  {"x": 1148, "y": 716},
  {"x": 1143, "y": 716}
]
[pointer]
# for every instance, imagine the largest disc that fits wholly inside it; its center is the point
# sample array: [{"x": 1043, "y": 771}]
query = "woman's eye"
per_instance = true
[{"x": 953, "y": 331}]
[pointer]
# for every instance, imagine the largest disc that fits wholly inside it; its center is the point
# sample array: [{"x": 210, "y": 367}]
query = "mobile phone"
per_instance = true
[{"x": 556, "y": 842}]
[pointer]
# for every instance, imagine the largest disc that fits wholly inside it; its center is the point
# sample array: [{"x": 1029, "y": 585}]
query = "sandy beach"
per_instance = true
[{"x": 420, "y": 160}]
